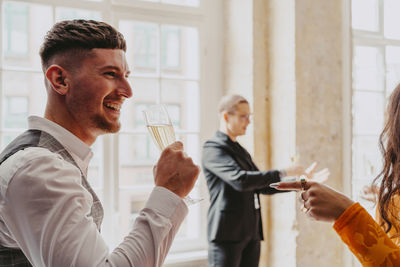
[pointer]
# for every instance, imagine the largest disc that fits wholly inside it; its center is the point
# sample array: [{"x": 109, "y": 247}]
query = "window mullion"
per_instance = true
[
  {"x": 110, "y": 182},
  {"x": 381, "y": 19},
  {"x": 1, "y": 76},
  {"x": 159, "y": 59}
]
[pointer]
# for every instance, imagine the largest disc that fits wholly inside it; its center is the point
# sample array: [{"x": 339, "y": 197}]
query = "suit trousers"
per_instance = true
[{"x": 234, "y": 254}]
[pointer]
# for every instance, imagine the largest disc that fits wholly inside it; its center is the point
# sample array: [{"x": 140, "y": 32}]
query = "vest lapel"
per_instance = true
[{"x": 48, "y": 141}]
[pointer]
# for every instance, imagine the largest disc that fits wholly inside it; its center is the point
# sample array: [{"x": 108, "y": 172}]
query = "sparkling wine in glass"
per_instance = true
[
  {"x": 162, "y": 135},
  {"x": 162, "y": 132}
]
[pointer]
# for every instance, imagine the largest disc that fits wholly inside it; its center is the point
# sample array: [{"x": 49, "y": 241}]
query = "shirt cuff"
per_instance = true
[
  {"x": 273, "y": 176},
  {"x": 347, "y": 216},
  {"x": 165, "y": 202}
]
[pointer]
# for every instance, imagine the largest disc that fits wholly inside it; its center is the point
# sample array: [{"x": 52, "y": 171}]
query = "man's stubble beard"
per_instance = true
[
  {"x": 106, "y": 127},
  {"x": 96, "y": 122}
]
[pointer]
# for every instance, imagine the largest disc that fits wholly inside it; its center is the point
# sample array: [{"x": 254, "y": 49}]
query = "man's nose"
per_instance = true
[{"x": 125, "y": 88}]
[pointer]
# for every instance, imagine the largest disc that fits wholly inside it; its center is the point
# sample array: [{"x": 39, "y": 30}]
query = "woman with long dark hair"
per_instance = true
[{"x": 374, "y": 243}]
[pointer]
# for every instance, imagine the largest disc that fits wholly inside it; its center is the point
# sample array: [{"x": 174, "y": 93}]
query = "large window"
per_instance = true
[
  {"x": 376, "y": 72},
  {"x": 164, "y": 41},
  {"x": 166, "y": 64}
]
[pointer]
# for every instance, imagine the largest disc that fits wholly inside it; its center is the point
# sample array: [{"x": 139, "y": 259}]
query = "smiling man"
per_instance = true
[{"x": 49, "y": 214}]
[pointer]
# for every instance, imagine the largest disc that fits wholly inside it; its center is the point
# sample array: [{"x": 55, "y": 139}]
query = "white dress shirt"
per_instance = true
[{"x": 44, "y": 208}]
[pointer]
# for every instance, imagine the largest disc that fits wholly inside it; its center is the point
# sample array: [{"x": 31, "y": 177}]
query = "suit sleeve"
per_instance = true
[{"x": 221, "y": 164}]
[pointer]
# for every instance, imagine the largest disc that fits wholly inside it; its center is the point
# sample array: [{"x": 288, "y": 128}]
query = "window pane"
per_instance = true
[
  {"x": 24, "y": 94},
  {"x": 7, "y": 138},
  {"x": 365, "y": 15},
  {"x": 182, "y": 100},
  {"x": 366, "y": 157},
  {"x": 391, "y": 19},
  {"x": 392, "y": 67},
  {"x": 367, "y": 163},
  {"x": 191, "y": 144},
  {"x": 16, "y": 112},
  {"x": 24, "y": 26},
  {"x": 194, "y": 3},
  {"x": 191, "y": 226},
  {"x": 142, "y": 45},
  {"x": 64, "y": 13},
  {"x": 145, "y": 93},
  {"x": 179, "y": 51},
  {"x": 137, "y": 155},
  {"x": 368, "y": 68},
  {"x": 357, "y": 187},
  {"x": 368, "y": 108}
]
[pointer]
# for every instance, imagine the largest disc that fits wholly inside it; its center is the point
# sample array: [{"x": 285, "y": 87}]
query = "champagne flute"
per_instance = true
[{"x": 162, "y": 132}]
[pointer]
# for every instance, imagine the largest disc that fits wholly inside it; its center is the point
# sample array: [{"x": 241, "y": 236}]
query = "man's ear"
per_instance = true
[
  {"x": 57, "y": 77},
  {"x": 225, "y": 116}
]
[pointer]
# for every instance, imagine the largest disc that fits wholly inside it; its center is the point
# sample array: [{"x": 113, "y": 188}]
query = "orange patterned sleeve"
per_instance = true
[
  {"x": 366, "y": 239},
  {"x": 393, "y": 213}
]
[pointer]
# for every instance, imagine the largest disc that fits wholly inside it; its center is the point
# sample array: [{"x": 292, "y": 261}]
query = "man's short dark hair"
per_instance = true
[{"x": 77, "y": 38}]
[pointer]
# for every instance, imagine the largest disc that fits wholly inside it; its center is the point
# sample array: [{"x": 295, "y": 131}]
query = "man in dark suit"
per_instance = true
[{"x": 234, "y": 183}]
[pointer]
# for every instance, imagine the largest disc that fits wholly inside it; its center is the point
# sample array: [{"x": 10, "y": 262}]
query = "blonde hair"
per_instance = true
[{"x": 229, "y": 103}]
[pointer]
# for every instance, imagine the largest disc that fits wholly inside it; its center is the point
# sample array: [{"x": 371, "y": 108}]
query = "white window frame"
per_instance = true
[{"x": 377, "y": 40}]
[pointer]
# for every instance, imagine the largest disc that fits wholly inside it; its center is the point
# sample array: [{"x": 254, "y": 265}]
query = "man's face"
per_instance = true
[
  {"x": 239, "y": 120},
  {"x": 98, "y": 88}
]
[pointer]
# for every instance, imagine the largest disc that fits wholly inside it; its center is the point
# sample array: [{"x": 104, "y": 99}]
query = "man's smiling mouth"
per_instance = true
[{"x": 116, "y": 107}]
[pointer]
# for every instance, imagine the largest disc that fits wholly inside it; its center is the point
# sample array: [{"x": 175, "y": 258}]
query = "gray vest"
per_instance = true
[{"x": 37, "y": 138}]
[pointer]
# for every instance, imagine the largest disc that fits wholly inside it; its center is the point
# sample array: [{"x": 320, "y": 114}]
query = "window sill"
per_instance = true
[{"x": 186, "y": 259}]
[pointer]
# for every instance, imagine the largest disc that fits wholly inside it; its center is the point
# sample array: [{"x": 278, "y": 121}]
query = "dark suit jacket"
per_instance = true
[{"x": 233, "y": 179}]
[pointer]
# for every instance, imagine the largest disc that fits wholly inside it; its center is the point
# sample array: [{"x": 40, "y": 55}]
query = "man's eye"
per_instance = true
[{"x": 111, "y": 73}]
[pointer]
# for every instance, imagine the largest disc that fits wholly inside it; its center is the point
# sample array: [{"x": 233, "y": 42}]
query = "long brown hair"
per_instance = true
[{"x": 389, "y": 142}]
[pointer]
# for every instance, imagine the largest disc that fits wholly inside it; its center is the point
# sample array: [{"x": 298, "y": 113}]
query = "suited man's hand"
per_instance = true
[
  {"x": 320, "y": 176},
  {"x": 295, "y": 170},
  {"x": 175, "y": 170}
]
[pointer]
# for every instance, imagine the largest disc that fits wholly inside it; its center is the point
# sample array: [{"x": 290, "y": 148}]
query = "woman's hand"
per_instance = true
[{"x": 321, "y": 202}]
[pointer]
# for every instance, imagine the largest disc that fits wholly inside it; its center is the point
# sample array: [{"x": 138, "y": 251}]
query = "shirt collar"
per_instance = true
[
  {"x": 223, "y": 136},
  {"x": 78, "y": 149}
]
